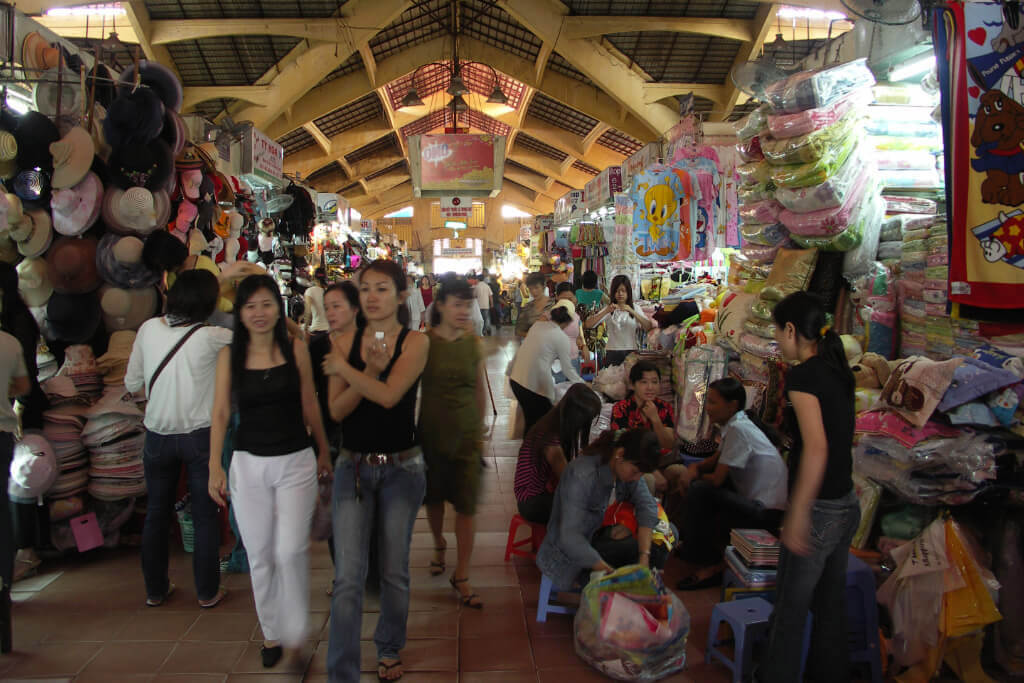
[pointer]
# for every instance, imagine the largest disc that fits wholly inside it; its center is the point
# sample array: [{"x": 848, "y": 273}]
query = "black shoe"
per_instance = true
[{"x": 271, "y": 655}]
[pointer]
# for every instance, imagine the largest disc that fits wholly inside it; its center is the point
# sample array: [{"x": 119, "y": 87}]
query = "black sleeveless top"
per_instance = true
[
  {"x": 270, "y": 420},
  {"x": 372, "y": 428}
]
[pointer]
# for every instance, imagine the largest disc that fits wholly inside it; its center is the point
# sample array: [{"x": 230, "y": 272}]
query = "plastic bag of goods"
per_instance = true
[
  {"x": 630, "y": 627},
  {"x": 816, "y": 172},
  {"x": 831, "y": 193},
  {"x": 816, "y": 89},
  {"x": 852, "y": 106},
  {"x": 812, "y": 146}
]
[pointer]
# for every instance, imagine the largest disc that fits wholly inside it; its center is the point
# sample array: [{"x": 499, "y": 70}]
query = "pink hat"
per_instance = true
[
  {"x": 187, "y": 212},
  {"x": 77, "y": 209},
  {"x": 190, "y": 182}
]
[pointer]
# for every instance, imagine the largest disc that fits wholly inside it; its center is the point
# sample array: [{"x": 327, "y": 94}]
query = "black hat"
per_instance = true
[
  {"x": 150, "y": 166},
  {"x": 134, "y": 118},
  {"x": 156, "y": 77},
  {"x": 73, "y": 318},
  {"x": 35, "y": 133},
  {"x": 105, "y": 78}
]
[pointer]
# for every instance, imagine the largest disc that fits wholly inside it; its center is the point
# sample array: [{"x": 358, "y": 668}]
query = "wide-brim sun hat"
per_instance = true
[
  {"x": 58, "y": 93},
  {"x": 34, "y": 281},
  {"x": 8, "y": 154},
  {"x": 72, "y": 263},
  {"x": 127, "y": 309},
  {"x": 174, "y": 133},
  {"x": 40, "y": 238},
  {"x": 73, "y": 318},
  {"x": 77, "y": 209},
  {"x": 35, "y": 133},
  {"x": 150, "y": 166},
  {"x": 134, "y": 118},
  {"x": 157, "y": 77},
  {"x": 120, "y": 263},
  {"x": 72, "y": 157},
  {"x": 122, "y": 212},
  {"x": 37, "y": 54}
]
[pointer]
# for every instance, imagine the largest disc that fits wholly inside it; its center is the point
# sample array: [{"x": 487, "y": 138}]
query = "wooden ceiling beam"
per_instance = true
[
  {"x": 258, "y": 95},
  {"x": 361, "y": 19}
]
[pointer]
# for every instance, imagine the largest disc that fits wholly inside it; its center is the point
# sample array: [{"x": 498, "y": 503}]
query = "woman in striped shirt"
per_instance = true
[{"x": 549, "y": 446}]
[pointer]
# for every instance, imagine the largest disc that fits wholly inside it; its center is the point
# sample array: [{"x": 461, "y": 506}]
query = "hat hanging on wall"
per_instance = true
[
  {"x": 58, "y": 91},
  {"x": 127, "y": 309},
  {"x": 134, "y": 118},
  {"x": 77, "y": 209},
  {"x": 174, "y": 133},
  {"x": 72, "y": 262},
  {"x": 34, "y": 281},
  {"x": 150, "y": 166},
  {"x": 41, "y": 236},
  {"x": 8, "y": 154},
  {"x": 10, "y": 210},
  {"x": 120, "y": 263},
  {"x": 72, "y": 157},
  {"x": 35, "y": 133},
  {"x": 37, "y": 54},
  {"x": 135, "y": 211},
  {"x": 32, "y": 186},
  {"x": 73, "y": 318},
  {"x": 157, "y": 77}
]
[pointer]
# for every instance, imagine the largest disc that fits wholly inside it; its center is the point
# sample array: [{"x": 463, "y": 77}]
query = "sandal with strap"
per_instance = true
[
  {"x": 467, "y": 600},
  {"x": 387, "y": 668},
  {"x": 438, "y": 567},
  {"x": 156, "y": 602}
]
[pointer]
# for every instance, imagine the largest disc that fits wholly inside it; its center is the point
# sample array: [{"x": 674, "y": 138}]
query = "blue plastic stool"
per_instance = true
[
  {"x": 547, "y": 600},
  {"x": 862, "y": 617},
  {"x": 748, "y": 620}
]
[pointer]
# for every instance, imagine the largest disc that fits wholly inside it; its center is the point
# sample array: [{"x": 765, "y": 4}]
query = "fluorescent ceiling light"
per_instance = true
[
  {"x": 509, "y": 211},
  {"x": 109, "y": 10},
  {"x": 457, "y": 225},
  {"x": 808, "y": 13},
  {"x": 405, "y": 212},
  {"x": 914, "y": 67}
]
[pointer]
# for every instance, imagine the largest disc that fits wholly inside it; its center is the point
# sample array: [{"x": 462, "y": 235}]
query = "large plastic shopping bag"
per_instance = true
[{"x": 630, "y": 627}]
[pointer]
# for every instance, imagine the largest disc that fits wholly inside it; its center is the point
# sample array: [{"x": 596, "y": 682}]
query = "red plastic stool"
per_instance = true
[{"x": 512, "y": 547}]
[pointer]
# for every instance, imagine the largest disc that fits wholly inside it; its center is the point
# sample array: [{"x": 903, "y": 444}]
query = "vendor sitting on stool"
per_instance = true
[
  {"x": 742, "y": 486},
  {"x": 609, "y": 470}
]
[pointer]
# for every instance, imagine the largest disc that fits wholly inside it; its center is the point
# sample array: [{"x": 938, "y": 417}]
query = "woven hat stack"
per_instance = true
[
  {"x": 115, "y": 436},
  {"x": 62, "y": 427}
]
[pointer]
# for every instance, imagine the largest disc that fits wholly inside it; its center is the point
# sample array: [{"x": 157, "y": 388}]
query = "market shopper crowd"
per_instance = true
[{"x": 289, "y": 413}]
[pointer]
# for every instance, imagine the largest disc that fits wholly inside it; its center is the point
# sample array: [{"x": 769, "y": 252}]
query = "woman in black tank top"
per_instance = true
[
  {"x": 379, "y": 482},
  {"x": 267, "y": 380}
]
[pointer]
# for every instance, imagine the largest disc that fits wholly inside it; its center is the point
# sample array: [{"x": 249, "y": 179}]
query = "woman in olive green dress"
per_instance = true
[{"x": 450, "y": 428}]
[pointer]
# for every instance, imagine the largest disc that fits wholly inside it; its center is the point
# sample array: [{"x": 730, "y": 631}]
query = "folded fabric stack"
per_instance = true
[
  {"x": 80, "y": 366},
  {"x": 61, "y": 391},
  {"x": 62, "y": 427},
  {"x": 751, "y": 577},
  {"x": 906, "y": 142},
  {"x": 46, "y": 364},
  {"x": 114, "y": 436},
  {"x": 926, "y": 328}
]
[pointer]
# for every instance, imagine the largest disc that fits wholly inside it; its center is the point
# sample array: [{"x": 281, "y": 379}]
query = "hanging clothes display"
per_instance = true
[
  {"x": 983, "y": 114},
  {"x": 656, "y": 226}
]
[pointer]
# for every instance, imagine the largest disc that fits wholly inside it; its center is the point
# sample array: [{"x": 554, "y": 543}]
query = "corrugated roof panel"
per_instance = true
[
  {"x": 296, "y": 140},
  {"x": 351, "y": 115},
  {"x": 535, "y": 145},
  {"x": 677, "y": 57},
  {"x": 483, "y": 122},
  {"x": 222, "y": 9},
  {"x": 330, "y": 169},
  {"x": 557, "y": 114},
  {"x": 620, "y": 142},
  {"x": 351, "y": 65},
  {"x": 585, "y": 167},
  {"x": 665, "y": 8},
  {"x": 384, "y": 171},
  {"x": 418, "y": 24},
  {"x": 231, "y": 60},
  {"x": 426, "y": 124},
  {"x": 560, "y": 64},
  {"x": 388, "y": 143},
  {"x": 492, "y": 25}
]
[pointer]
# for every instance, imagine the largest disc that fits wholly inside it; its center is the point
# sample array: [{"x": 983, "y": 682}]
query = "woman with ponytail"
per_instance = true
[{"x": 823, "y": 513}]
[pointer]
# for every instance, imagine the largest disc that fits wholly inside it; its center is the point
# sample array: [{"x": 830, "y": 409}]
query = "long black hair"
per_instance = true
[
  {"x": 240, "y": 342},
  {"x": 640, "y": 447},
  {"x": 807, "y": 314},
  {"x": 621, "y": 281},
  {"x": 351, "y": 293},
  {"x": 394, "y": 271},
  {"x": 731, "y": 389},
  {"x": 454, "y": 287},
  {"x": 570, "y": 419}
]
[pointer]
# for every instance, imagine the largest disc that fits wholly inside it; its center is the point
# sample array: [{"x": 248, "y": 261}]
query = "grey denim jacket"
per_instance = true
[{"x": 581, "y": 499}]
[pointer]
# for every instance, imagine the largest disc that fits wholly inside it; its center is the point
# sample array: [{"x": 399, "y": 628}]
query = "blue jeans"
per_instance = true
[
  {"x": 816, "y": 582},
  {"x": 388, "y": 499},
  {"x": 162, "y": 458}
]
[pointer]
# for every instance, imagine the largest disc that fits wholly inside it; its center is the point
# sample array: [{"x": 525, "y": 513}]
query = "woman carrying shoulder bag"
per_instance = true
[{"x": 173, "y": 360}]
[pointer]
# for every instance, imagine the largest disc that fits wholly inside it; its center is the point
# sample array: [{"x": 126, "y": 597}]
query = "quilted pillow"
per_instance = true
[{"x": 730, "y": 319}]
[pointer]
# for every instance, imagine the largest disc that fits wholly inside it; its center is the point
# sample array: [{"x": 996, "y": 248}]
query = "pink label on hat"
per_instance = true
[{"x": 86, "y": 529}]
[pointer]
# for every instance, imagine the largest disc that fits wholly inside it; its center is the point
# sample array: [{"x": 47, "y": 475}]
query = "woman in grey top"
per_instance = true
[{"x": 610, "y": 469}]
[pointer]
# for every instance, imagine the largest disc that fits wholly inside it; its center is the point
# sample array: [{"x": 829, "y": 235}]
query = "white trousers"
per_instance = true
[{"x": 274, "y": 499}]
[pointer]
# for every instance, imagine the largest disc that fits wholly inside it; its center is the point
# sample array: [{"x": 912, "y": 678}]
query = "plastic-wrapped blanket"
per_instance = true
[
  {"x": 630, "y": 627},
  {"x": 761, "y": 212},
  {"x": 809, "y": 147},
  {"x": 764, "y": 235},
  {"x": 904, "y": 161},
  {"x": 811, "y": 120},
  {"x": 857, "y": 261},
  {"x": 831, "y": 221},
  {"x": 816, "y": 172},
  {"x": 752, "y": 124},
  {"x": 748, "y": 194},
  {"x": 829, "y": 194},
  {"x": 849, "y": 238},
  {"x": 817, "y": 89}
]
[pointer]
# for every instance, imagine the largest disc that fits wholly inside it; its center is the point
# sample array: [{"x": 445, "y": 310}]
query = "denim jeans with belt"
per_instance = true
[
  {"x": 387, "y": 499},
  {"x": 815, "y": 583},
  {"x": 162, "y": 458}
]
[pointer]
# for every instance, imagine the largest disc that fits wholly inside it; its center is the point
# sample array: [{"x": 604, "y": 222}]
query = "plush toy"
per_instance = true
[
  {"x": 871, "y": 371},
  {"x": 852, "y": 348}
]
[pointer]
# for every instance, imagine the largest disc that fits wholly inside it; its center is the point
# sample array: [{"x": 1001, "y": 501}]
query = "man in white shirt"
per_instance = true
[
  {"x": 178, "y": 429},
  {"x": 315, "y": 315},
  {"x": 483, "y": 298}
]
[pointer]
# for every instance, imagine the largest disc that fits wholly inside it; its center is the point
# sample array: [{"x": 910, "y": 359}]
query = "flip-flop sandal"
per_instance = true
[
  {"x": 222, "y": 593},
  {"x": 438, "y": 568},
  {"x": 467, "y": 600},
  {"x": 692, "y": 583},
  {"x": 387, "y": 668}
]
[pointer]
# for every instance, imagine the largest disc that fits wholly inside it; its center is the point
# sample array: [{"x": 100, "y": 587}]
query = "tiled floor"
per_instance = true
[{"x": 83, "y": 618}]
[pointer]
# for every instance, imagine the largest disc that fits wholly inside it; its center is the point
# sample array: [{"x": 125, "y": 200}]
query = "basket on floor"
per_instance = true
[{"x": 183, "y": 511}]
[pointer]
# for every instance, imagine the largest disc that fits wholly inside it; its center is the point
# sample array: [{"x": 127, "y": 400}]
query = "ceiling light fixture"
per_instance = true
[{"x": 411, "y": 99}]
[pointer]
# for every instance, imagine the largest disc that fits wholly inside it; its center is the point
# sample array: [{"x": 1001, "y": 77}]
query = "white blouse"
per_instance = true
[{"x": 621, "y": 328}]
